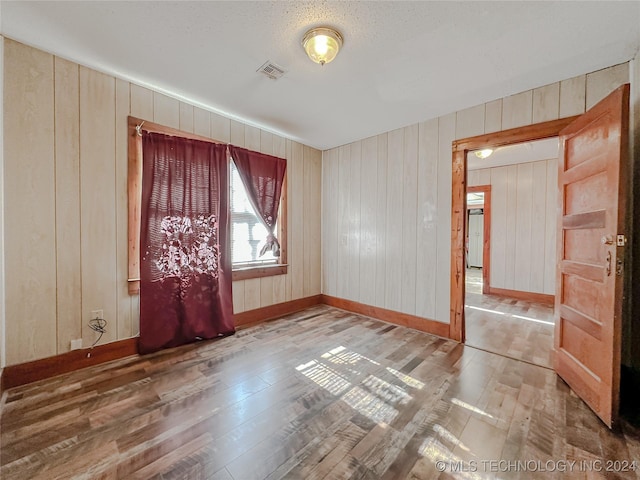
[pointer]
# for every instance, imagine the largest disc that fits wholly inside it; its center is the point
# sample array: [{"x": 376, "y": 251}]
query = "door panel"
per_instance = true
[
  {"x": 592, "y": 173},
  {"x": 574, "y": 239}
]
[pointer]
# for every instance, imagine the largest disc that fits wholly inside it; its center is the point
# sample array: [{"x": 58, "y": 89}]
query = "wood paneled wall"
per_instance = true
[
  {"x": 387, "y": 199},
  {"x": 523, "y": 224},
  {"x": 65, "y": 166}
]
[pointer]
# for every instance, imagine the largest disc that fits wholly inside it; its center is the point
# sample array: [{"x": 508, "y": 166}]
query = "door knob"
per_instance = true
[{"x": 607, "y": 239}]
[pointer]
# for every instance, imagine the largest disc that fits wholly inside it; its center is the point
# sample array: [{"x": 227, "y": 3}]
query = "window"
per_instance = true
[
  {"x": 246, "y": 228},
  {"x": 248, "y": 234}
]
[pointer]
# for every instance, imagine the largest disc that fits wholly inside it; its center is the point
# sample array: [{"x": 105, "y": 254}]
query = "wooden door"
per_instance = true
[{"x": 592, "y": 178}]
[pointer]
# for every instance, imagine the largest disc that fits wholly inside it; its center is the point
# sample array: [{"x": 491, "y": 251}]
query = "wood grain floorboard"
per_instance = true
[
  {"x": 320, "y": 394},
  {"x": 518, "y": 329}
]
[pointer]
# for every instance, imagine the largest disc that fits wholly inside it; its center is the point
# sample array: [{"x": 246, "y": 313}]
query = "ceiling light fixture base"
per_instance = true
[{"x": 322, "y": 44}]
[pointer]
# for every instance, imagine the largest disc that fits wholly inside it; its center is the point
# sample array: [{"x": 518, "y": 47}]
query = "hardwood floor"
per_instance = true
[
  {"x": 518, "y": 329},
  {"x": 319, "y": 394}
]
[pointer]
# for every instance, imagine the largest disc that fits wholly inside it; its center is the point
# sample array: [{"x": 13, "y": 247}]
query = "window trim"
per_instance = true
[{"x": 134, "y": 192}]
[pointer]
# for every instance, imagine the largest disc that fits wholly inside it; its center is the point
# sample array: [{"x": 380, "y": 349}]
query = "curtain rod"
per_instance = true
[
  {"x": 139, "y": 133},
  {"x": 228, "y": 144}
]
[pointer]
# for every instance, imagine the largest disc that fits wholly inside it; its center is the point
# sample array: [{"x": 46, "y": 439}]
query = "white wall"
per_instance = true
[
  {"x": 523, "y": 224},
  {"x": 387, "y": 199}
]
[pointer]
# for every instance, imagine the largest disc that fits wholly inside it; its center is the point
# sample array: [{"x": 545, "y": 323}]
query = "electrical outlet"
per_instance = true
[
  {"x": 97, "y": 314},
  {"x": 76, "y": 344}
]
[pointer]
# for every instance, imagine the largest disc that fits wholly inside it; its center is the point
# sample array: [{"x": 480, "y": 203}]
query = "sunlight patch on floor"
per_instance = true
[
  {"x": 324, "y": 376},
  {"x": 447, "y": 435},
  {"x": 387, "y": 391},
  {"x": 485, "y": 310},
  {"x": 374, "y": 397},
  {"x": 408, "y": 380},
  {"x": 471, "y": 408},
  {"x": 368, "y": 404},
  {"x": 342, "y": 355},
  {"x": 512, "y": 315}
]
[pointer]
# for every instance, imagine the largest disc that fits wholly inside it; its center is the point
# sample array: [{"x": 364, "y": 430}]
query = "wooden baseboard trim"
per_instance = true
[
  {"x": 23, "y": 373},
  {"x": 520, "y": 295},
  {"x": 403, "y": 319},
  {"x": 29, "y": 372},
  {"x": 259, "y": 315}
]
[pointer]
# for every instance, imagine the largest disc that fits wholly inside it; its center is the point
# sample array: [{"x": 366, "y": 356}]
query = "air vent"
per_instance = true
[{"x": 271, "y": 70}]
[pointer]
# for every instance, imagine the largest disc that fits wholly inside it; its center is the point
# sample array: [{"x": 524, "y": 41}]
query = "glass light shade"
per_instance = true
[
  {"x": 483, "y": 153},
  {"x": 322, "y": 44}
]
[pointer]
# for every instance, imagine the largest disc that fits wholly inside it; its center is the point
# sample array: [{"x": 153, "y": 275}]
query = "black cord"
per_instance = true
[{"x": 98, "y": 325}]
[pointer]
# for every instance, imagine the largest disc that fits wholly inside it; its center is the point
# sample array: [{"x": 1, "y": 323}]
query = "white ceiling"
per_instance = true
[
  {"x": 402, "y": 62},
  {"x": 516, "y": 153}
]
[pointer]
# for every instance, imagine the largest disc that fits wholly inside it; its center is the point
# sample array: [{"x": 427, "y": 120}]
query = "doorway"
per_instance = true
[
  {"x": 593, "y": 221},
  {"x": 459, "y": 190},
  {"x": 475, "y": 241},
  {"x": 478, "y": 237},
  {"x": 510, "y": 313}
]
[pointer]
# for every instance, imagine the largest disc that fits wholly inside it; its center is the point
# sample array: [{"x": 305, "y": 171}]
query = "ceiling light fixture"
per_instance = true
[
  {"x": 322, "y": 44},
  {"x": 483, "y": 153}
]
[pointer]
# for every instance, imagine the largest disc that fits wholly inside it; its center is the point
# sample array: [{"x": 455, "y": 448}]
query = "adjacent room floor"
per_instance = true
[
  {"x": 319, "y": 394},
  {"x": 518, "y": 329}
]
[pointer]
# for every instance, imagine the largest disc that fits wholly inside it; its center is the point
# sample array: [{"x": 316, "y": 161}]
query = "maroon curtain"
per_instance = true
[
  {"x": 262, "y": 176},
  {"x": 185, "y": 268}
]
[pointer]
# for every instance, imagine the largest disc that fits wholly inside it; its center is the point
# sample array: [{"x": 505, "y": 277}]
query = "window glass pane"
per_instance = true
[{"x": 248, "y": 234}]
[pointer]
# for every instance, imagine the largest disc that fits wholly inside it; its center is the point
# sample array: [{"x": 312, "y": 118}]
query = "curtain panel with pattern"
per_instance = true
[{"x": 185, "y": 265}]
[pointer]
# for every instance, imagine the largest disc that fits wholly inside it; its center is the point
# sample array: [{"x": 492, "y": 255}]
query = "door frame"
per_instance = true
[
  {"x": 486, "y": 235},
  {"x": 460, "y": 148}
]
